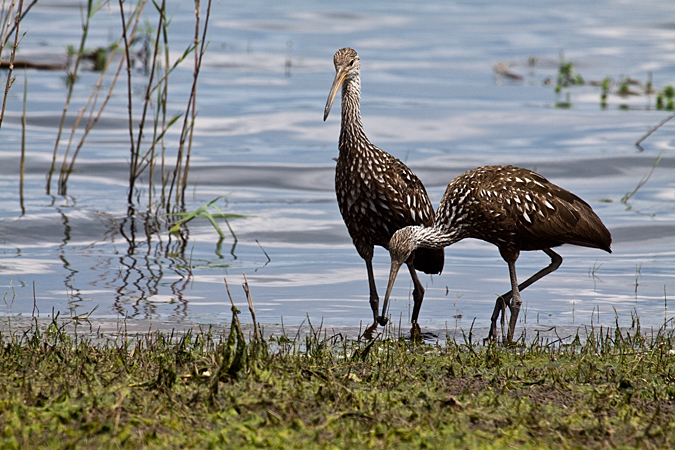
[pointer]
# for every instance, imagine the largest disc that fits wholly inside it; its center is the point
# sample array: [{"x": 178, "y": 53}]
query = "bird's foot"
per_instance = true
[
  {"x": 415, "y": 332},
  {"x": 492, "y": 335},
  {"x": 370, "y": 332}
]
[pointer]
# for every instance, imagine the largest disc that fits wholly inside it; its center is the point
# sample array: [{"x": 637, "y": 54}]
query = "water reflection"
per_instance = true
[
  {"x": 151, "y": 265},
  {"x": 69, "y": 279},
  {"x": 147, "y": 270}
]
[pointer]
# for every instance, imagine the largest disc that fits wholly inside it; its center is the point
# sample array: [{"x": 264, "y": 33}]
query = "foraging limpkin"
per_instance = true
[
  {"x": 377, "y": 194},
  {"x": 513, "y": 208}
]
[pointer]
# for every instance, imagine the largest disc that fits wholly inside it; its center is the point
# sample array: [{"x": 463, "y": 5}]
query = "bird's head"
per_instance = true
[
  {"x": 347, "y": 65},
  {"x": 347, "y": 60},
  {"x": 401, "y": 246}
]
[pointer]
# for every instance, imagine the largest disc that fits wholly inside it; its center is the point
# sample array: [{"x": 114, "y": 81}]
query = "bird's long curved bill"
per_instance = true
[
  {"x": 395, "y": 266},
  {"x": 339, "y": 79}
]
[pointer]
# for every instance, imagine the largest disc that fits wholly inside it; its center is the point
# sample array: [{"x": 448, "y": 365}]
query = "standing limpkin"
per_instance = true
[
  {"x": 377, "y": 194},
  {"x": 513, "y": 208}
]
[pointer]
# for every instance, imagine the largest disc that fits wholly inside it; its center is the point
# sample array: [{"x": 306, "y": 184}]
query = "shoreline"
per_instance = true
[{"x": 104, "y": 329}]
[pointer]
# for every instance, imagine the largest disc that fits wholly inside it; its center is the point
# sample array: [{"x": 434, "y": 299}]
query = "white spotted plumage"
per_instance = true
[
  {"x": 527, "y": 212},
  {"x": 377, "y": 194}
]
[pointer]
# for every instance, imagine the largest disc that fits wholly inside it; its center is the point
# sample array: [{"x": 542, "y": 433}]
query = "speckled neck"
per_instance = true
[
  {"x": 352, "y": 128},
  {"x": 434, "y": 237}
]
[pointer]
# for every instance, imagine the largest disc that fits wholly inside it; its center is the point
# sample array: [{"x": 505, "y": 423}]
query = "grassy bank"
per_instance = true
[{"x": 204, "y": 390}]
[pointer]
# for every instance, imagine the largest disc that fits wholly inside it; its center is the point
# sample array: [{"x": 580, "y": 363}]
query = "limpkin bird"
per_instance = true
[
  {"x": 377, "y": 194},
  {"x": 513, "y": 208}
]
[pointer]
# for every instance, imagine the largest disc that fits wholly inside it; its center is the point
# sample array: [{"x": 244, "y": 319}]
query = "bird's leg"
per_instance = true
[
  {"x": 516, "y": 301},
  {"x": 502, "y": 322},
  {"x": 556, "y": 261},
  {"x": 374, "y": 299},
  {"x": 418, "y": 296},
  {"x": 500, "y": 308}
]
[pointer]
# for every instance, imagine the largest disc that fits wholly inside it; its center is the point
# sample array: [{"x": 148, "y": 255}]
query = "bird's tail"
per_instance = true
[{"x": 591, "y": 232}]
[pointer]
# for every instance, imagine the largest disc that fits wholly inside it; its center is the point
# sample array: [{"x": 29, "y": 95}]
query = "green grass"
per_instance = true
[{"x": 609, "y": 389}]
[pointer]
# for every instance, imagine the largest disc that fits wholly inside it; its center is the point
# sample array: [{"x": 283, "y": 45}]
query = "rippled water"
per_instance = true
[{"x": 429, "y": 96}]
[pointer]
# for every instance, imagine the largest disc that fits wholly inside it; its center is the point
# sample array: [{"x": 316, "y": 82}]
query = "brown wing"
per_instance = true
[
  {"x": 419, "y": 212},
  {"x": 406, "y": 196},
  {"x": 378, "y": 195},
  {"x": 408, "y": 200},
  {"x": 540, "y": 214},
  {"x": 415, "y": 208}
]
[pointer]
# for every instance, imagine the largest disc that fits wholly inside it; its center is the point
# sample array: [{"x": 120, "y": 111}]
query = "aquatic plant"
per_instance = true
[
  {"x": 71, "y": 78},
  {"x": 666, "y": 99},
  {"x": 567, "y": 76},
  {"x": 147, "y": 150},
  {"x": 203, "y": 213},
  {"x": 605, "y": 86},
  {"x": 10, "y": 20}
]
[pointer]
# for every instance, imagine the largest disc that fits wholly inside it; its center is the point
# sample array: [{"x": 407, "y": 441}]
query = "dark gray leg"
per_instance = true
[
  {"x": 418, "y": 292},
  {"x": 418, "y": 296},
  {"x": 374, "y": 299},
  {"x": 556, "y": 261},
  {"x": 516, "y": 301}
]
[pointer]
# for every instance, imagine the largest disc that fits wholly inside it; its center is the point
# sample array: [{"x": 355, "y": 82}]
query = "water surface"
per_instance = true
[{"x": 429, "y": 96}]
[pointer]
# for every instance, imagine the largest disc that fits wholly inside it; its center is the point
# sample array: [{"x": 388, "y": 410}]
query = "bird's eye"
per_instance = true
[{"x": 351, "y": 63}]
